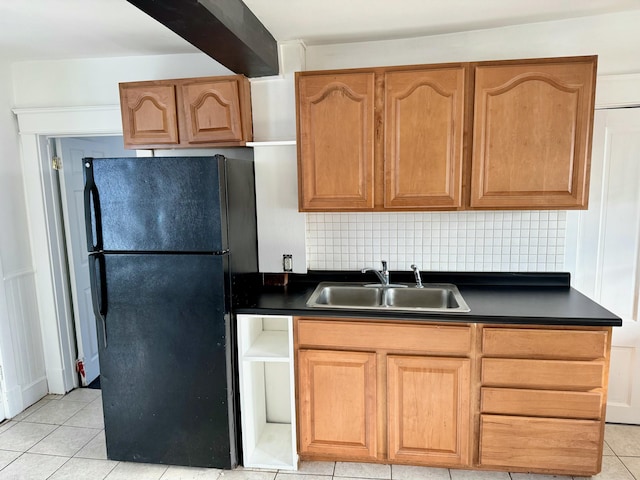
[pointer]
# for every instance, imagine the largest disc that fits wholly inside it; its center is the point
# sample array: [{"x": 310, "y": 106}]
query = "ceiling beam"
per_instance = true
[{"x": 226, "y": 30}]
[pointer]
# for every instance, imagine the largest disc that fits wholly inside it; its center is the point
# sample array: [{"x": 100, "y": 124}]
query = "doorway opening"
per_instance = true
[{"x": 69, "y": 152}]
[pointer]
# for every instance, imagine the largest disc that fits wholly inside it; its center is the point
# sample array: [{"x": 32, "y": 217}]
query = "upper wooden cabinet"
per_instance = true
[
  {"x": 186, "y": 113},
  {"x": 500, "y": 135},
  {"x": 335, "y": 127},
  {"x": 423, "y": 139},
  {"x": 381, "y": 139},
  {"x": 532, "y": 133}
]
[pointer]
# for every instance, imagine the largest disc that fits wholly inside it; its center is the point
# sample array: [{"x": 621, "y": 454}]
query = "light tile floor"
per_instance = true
[{"x": 62, "y": 438}]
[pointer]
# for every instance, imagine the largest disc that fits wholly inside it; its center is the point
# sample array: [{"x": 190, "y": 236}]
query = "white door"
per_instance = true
[
  {"x": 72, "y": 151},
  {"x": 2, "y": 414},
  {"x": 607, "y": 254}
]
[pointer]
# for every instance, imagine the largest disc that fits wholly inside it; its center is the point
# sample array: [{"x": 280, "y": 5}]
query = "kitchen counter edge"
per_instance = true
[{"x": 497, "y": 298}]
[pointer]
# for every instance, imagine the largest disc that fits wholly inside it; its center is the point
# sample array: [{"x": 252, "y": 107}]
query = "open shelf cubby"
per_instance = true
[{"x": 265, "y": 345}]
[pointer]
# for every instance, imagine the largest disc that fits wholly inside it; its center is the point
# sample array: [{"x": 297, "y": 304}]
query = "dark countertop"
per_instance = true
[{"x": 504, "y": 298}]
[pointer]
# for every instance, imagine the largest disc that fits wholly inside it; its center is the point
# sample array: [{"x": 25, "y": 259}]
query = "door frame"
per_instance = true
[
  {"x": 5, "y": 344},
  {"x": 36, "y": 126}
]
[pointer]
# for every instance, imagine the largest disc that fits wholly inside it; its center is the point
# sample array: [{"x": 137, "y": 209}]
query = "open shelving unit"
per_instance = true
[{"x": 267, "y": 398}]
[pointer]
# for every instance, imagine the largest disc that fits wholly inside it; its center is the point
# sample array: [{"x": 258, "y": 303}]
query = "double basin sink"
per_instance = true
[{"x": 442, "y": 297}]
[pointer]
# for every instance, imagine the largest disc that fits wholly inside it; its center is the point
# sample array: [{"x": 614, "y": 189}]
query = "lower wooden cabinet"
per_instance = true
[
  {"x": 486, "y": 397},
  {"x": 428, "y": 410},
  {"x": 337, "y": 401},
  {"x": 543, "y": 398},
  {"x": 384, "y": 392}
]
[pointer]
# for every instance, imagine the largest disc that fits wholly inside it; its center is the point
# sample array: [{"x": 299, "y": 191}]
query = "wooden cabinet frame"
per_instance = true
[
  {"x": 506, "y": 419},
  {"x": 532, "y": 129},
  {"x": 513, "y": 134},
  {"x": 186, "y": 112},
  {"x": 382, "y": 354},
  {"x": 358, "y": 154}
]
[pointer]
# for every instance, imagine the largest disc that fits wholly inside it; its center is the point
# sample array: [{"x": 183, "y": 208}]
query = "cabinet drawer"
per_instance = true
[
  {"x": 533, "y": 343},
  {"x": 571, "y": 446},
  {"x": 542, "y": 403},
  {"x": 383, "y": 336},
  {"x": 542, "y": 374}
]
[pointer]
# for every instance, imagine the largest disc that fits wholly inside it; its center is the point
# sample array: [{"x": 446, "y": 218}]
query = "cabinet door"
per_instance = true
[
  {"x": 532, "y": 134},
  {"x": 148, "y": 114},
  {"x": 424, "y": 124},
  {"x": 428, "y": 410},
  {"x": 337, "y": 402},
  {"x": 211, "y": 110},
  {"x": 336, "y": 141}
]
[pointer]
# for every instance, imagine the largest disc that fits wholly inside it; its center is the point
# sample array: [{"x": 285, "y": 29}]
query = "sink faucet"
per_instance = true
[
  {"x": 416, "y": 272},
  {"x": 383, "y": 275}
]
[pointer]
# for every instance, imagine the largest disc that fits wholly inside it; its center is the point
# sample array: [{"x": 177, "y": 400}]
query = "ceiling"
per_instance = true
[{"x": 61, "y": 29}]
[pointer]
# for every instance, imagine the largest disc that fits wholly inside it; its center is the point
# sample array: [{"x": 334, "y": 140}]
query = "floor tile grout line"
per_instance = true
[
  {"x": 622, "y": 463},
  {"x": 69, "y": 458},
  {"x": 85, "y": 444}
]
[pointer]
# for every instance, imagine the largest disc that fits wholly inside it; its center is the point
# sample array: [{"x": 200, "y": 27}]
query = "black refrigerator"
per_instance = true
[{"x": 167, "y": 237}]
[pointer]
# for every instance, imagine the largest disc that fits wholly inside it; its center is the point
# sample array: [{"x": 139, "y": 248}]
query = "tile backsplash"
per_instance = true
[{"x": 516, "y": 241}]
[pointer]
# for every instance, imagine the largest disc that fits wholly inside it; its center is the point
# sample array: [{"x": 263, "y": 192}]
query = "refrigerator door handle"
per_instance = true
[
  {"x": 98, "y": 277},
  {"x": 92, "y": 214}
]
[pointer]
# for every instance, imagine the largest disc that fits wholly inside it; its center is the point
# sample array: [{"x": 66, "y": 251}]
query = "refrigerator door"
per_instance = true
[
  {"x": 165, "y": 363},
  {"x": 159, "y": 204}
]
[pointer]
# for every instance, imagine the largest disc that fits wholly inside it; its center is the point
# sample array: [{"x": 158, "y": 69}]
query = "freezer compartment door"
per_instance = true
[
  {"x": 174, "y": 204},
  {"x": 165, "y": 369}
]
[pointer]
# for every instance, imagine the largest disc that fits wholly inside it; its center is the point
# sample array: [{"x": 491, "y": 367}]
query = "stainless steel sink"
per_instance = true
[
  {"x": 332, "y": 295},
  {"x": 442, "y": 297}
]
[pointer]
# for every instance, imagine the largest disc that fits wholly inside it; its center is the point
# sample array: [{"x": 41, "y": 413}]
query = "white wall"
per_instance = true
[
  {"x": 20, "y": 345},
  {"x": 614, "y": 38},
  {"x": 94, "y": 81},
  {"x": 14, "y": 234}
]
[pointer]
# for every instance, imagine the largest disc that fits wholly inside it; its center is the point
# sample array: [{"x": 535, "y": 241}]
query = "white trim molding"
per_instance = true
[
  {"x": 56, "y": 323},
  {"x": 24, "y": 376},
  {"x": 613, "y": 91},
  {"x": 64, "y": 121}
]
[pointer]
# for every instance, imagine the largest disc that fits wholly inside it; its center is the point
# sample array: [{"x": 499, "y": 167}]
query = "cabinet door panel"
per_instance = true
[
  {"x": 337, "y": 402},
  {"x": 428, "y": 409},
  {"x": 211, "y": 111},
  {"x": 424, "y": 138},
  {"x": 148, "y": 114},
  {"x": 532, "y": 134},
  {"x": 335, "y": 133}
]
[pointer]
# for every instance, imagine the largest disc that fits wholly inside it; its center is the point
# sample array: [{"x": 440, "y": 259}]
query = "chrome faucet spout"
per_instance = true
[
  {"x": 383, "y": 275},
  {"x": 416, "y": 273}
]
